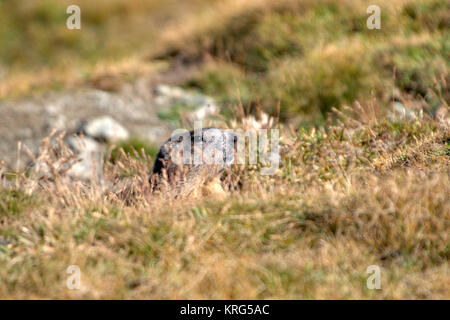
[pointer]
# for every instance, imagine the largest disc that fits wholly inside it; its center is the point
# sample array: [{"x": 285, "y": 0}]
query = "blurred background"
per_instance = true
[{"x": 292, "y": 59}]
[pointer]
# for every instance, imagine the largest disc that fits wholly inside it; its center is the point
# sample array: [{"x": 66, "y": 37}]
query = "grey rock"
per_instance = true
[
  {"x": 106, "y": 129},
  {"x": 57, "y": 122},
  {"x": 401, "y": 112},
  {"x": 167, "y": 96},
  {"x": 90, "y": 153},
  {"x": 203, "y": 112}
]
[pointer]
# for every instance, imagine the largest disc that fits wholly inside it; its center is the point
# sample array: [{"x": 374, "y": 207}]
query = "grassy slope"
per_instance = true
[
  {"x": 345, "y": 197},
  {"x": 310, "y": 56},
  {"x": 357, "y": 191}
]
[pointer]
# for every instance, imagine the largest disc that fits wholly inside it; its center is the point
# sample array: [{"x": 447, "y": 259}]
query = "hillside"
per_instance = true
[{"x": 364, "y": 126}]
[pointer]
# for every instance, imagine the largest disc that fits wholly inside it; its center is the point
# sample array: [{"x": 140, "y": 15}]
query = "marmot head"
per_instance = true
[{"x": 206, "y": 148}]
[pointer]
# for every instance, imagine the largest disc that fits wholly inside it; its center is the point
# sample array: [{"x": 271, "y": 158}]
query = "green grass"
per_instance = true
[
  {"x": 174, "y": 112},
  {"x": 14, "y": 202},
  {"x": 321, "y": 55},
  {"x": 41, "y": 25},
  {"x": 132, "y": 146},
  {"x": 39, "y": 53},
  {"x": 305, "y": 55}
]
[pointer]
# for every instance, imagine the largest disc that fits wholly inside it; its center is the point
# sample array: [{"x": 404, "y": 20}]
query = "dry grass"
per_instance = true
[
  {"x": 360, "y": 189},
  {"x": 359, "y": 192}
]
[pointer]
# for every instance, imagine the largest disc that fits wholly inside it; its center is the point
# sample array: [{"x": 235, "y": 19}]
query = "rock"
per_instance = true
[
  {"x": 203, "y": 112},
  {"x": 167, "y": 96},
  {"x": 154, "y": 133},
  {"x": 105, "y": 129},
  {"x": 164, "y": 92},
  {"x": 85, "y": 165},
  {"x": 401, "y": 112},
  {"x": 63, "y": 111},
  {"x": 90, "y": 152},
  {"x": 54, "y": 117},
  {"x": 57, "y": 122}
]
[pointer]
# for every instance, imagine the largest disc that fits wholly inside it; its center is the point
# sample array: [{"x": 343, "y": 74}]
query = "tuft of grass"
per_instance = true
[
  {"x": 174, "y": 113},
  {"x": 134, "y": 147},
  {"x": 15, "y": 202}
]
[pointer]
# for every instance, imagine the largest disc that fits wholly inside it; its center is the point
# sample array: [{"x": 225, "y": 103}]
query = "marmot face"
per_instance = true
[{"x": 211, "y": 149}]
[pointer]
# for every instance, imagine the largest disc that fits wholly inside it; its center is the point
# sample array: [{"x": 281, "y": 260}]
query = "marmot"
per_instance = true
[{"x": 191, "y": 161}]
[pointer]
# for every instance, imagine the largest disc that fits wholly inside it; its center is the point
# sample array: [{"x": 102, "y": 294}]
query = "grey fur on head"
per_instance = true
[{"x": 196, "y": 148}]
